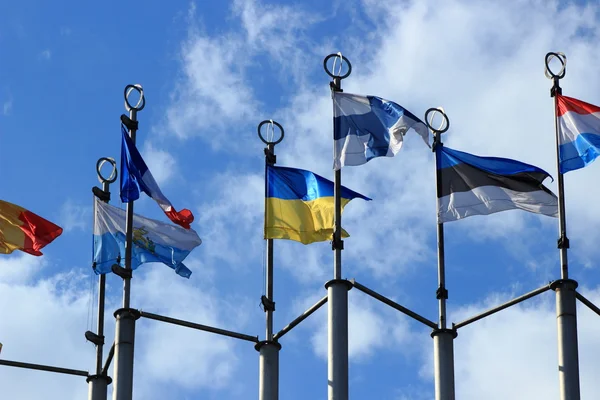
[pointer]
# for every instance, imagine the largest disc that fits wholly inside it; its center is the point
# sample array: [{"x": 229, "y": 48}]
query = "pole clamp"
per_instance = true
[
  {"x": 441, "y": 293},
  {"x": 101, "y": 194},
  {"x": 337, "y": 244},
  {"x": 94, "y": 338},
  {"x": 122, "y": 272},
  {"x": 129, "y": 123},
  {"x": 563, "y": 242},
  {"x": 556, "y": 89},
  {"x": 270, "y": 157},
  {"x": 268, "y": 304}
]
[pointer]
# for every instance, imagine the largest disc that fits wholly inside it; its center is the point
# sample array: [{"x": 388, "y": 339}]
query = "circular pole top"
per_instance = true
[
  {"x": 113, "y": 175},
  {"x": 563, "y": 61},
  {"x": 270, "y": 132},
  {"x": 444, "y": 124},
  {"x": 141, "y": 103},
  {"x": 341, "y": 59}
]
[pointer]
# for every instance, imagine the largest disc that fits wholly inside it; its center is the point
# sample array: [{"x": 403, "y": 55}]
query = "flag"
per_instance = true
[
  {"x": 578, "y": 133},
  {"x": 300, "y": 205},
  {"x": 23, "y": 230},
  {"x": 365, "y": 127},
  {"x": 135, "y": 175},
  {"x": 153, "y": 241},
  {"x": 472, "y": 185}
]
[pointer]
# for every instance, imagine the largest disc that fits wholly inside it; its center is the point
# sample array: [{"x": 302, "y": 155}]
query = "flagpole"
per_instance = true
[
  {"x": 566, "y": 310},
  {"x": 269, "y": 348},
  {"x": 443, "y": 338},
  {"x": 98, "y": 383},
  {"x": 125, "y": 316},
  {"x": 337, "y": 288}
]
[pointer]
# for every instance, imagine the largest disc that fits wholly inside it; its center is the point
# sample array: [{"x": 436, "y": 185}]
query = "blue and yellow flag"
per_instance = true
[{"x": 300, "y": 205}]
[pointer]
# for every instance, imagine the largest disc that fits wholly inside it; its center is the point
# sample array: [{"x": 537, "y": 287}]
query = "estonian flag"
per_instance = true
[
  {"x": 365, "y": 127},
  {"x": 300, "y": 205},
  {"x": 471, "y": 185},
  {"x": 135, "y": 175},
  {"x": 579, "y": 133}
]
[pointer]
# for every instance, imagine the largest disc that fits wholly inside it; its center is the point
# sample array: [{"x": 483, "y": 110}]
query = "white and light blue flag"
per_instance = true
[
  {"x": 365, "y": 127},
  {"x": 153, "y": 241}
]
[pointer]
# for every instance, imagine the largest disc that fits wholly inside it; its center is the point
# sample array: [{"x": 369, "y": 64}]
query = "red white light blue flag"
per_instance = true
[
  {"x": 135, "y": 175},
  {"x": 579, "y": 133}
]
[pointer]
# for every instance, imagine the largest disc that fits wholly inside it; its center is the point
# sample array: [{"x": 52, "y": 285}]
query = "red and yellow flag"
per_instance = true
[{"x": 23, "y": 230}]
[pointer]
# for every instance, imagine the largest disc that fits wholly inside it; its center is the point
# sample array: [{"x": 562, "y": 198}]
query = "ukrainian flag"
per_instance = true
[{"x": 300, "y": 205}]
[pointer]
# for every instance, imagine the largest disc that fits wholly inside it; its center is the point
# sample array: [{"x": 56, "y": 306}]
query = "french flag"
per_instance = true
[
  {"x": 135, "y": 175},
  {"x": 579, "y": 133}
]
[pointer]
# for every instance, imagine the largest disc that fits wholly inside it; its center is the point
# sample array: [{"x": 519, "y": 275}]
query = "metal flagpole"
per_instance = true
[
  {"x": 269, "y": 348},
  {"x": 99, "y": 382},
  {"x": 566, "y": 315},
  {"x": 337, "y": 288},
  {"x": 443, "y": 345},
  {"x": 126, "y": 317}
]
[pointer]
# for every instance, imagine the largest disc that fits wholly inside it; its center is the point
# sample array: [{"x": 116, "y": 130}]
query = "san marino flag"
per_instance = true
[{"x": 153, "y": 241}]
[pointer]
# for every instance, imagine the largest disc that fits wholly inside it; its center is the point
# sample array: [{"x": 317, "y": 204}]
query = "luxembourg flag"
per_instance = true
[
  {"x": 365, "y": 127},
  {"x": 135, "y": 175},
  {"x": 579, "y": 133}
]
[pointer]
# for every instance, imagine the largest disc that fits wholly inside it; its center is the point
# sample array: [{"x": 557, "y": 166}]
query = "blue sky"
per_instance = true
[{"x": 211, "y": 72}]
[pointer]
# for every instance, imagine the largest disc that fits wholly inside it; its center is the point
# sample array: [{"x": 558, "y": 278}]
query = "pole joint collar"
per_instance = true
[
  {"x": 437, "y": 332},
  {"x": 556, "y": 89},
  {"x": 262, "y": 343},
  {"x": 348, "y": 284},
  {"x": 270, "y": 157},
  {"x": 131, "y": 313},
  {"x": 564, "y": 283},
  {"x": 563, "y": 242},
  {"x": 107, "y": 378},
  {"x": 268, "y": 304}
]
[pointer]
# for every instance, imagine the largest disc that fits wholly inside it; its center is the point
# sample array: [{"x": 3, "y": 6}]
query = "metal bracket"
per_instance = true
[
  {"x": 441, "y": 293},
  {"x": 563, "y": 242},
  {"x": 129, "y": 123},
  {"x": 337, "y": 244},
  {"x": 94, "y": 338},
  {"x": 122, "y": 272},
  {"x": 270, "y": 157},
  {"x": 101, "y": 194},
  {"x": 268, "y": 305}
]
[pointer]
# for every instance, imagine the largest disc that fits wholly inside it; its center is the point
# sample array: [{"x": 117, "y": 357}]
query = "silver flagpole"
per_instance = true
[
  {"x": 566, "y": 315},
  {"x": 337, "y": 288},
  {"x": 126, "y": 317},
  {"x": 98, "y": 383},
  {"x": 269, "y": 348},
  {"x": 443, "y": 345}
]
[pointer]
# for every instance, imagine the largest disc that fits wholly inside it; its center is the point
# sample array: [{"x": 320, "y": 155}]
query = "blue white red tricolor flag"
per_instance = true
[
  {"x": 579, "y": 133},
  {"x": 135, "y": 175}
]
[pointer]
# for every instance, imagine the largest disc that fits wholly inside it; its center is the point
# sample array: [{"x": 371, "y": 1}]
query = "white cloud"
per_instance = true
[
  {"x": 45, "y": 54},
  {"x": 160, "y": 162},
  {"x": 75, "y": 216},
  {"x": 7, "y": 107}
]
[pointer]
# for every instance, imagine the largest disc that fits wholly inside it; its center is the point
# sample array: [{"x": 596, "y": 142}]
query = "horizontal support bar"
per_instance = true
[
  {"x": 301, "y": 318},
  {"x": 44, "y": 368},
  {"x": 394, "y": 305},
  {"x": 588, "y": 303},
  {"x": 502, "y": 307},
  {"x": 111, "y": 354},
  {"x": 253, "y": 339}
]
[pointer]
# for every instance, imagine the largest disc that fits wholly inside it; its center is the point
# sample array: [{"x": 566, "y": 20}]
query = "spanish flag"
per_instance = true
[
  {"x": 300, "y": 205},
  {"x": 23, "y": 230}
]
